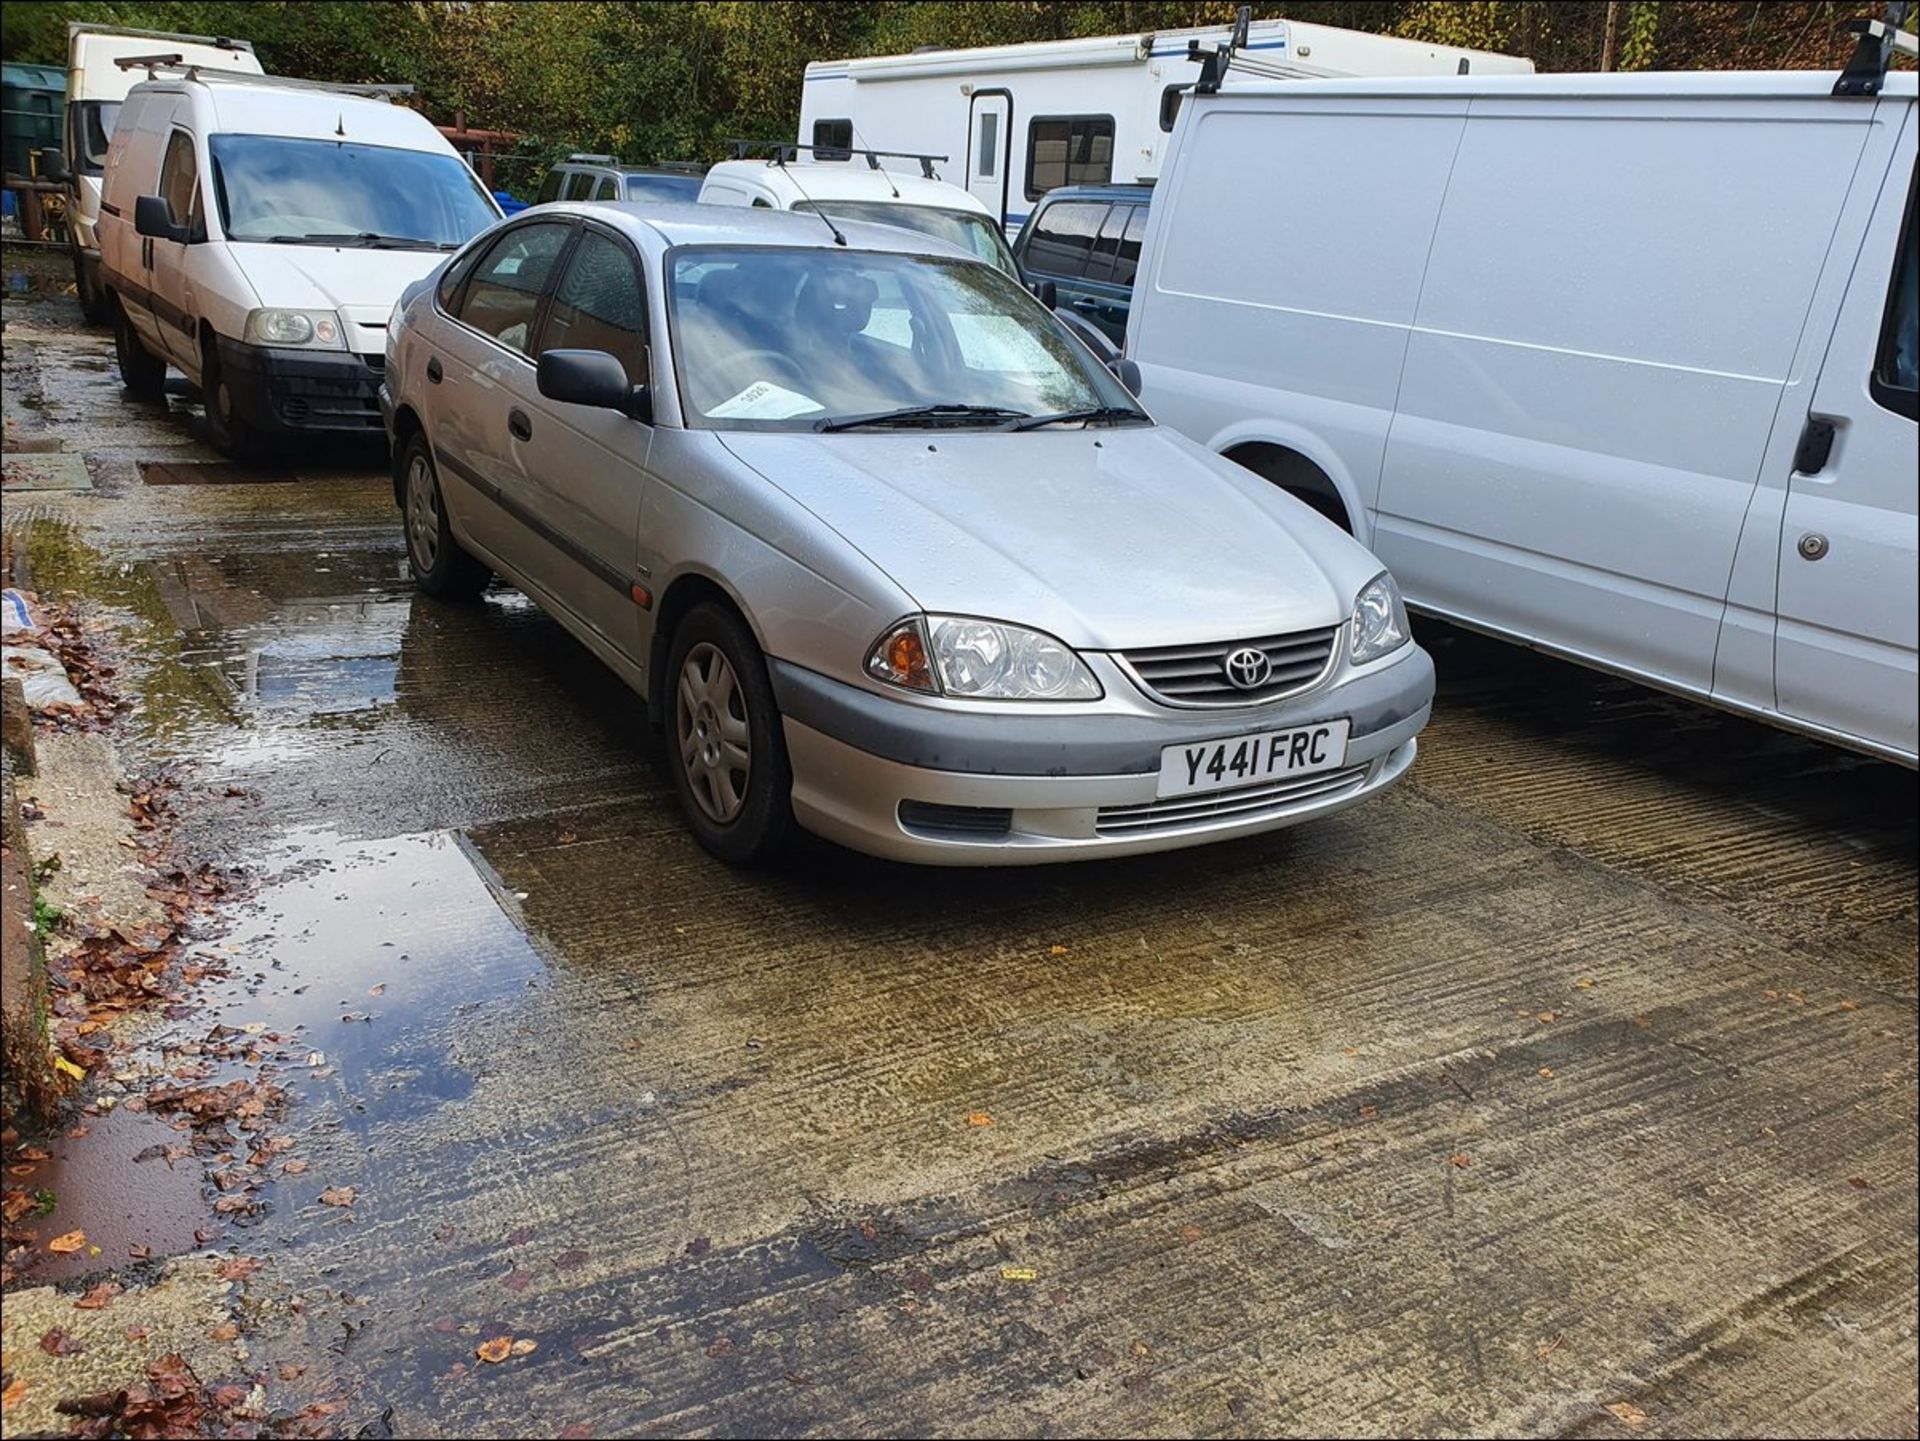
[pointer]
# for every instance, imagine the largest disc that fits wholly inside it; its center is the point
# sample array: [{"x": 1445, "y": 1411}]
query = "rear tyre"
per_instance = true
[
  {"x": 440, "y": 567},
  {"x": 726, "y": 751},
  {"x": 231, "y": 431},
  {"x": 144, "y": 376},
  {"x": 88, "y": 290}
]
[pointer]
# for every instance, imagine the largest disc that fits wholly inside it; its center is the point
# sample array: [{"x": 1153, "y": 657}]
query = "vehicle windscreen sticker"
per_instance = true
[{"x": 763, "y": 400}]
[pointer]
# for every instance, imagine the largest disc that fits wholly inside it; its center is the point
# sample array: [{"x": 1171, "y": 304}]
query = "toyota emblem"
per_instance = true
[{"x": 1247, "y": 668}]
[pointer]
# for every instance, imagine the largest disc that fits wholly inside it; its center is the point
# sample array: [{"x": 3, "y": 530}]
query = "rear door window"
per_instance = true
[
  {"x": 1106, "y": 249},
  {"x": 579, "y": 185},
  {"x": 504, "y": 295},
  {"x": 1063, "y": 236},
  {"x": 605, "y": 189},
  {"x": 549, "y": 188}
]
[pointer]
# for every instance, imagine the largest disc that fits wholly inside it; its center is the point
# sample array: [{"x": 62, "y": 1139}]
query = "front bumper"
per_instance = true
[
  {"x": 992, "y": 789},
  {"x": 303, "y": 391}
]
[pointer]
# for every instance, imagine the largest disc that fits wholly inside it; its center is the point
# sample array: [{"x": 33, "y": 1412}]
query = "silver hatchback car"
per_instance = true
[{"x": 888, "y": 552}]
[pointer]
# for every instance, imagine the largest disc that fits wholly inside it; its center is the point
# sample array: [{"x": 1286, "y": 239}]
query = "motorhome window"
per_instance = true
[
  {"x": 549, "y": 188},
  {"x": 1062, "y": 239},
  {"x": 1170, "y": 99},
  {"x": 1128, "y": 261},
  {"x": 505, "y": 293},
  {"x": 833, "y": 140},
  {"x": 333, "y": 192},
  {"x": 1068, "y": 150},
  {"x": 1896, "y": 376},
  {"x": 92, "y": 129},
  {"x": 599, "y": 305},
  {"x": 989, "y": 145},
  {"x": 180, "y": 179},
  {"x": 579, "y": 185}
]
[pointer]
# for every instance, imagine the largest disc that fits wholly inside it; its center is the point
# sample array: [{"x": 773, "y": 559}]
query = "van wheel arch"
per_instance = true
[{"x": 1298, "y": 476}]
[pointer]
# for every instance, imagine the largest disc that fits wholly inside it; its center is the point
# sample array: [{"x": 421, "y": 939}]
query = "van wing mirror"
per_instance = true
[
  {"x": 1047, "y": 293},
  {"x": 153, "y": 217},
  {"x": 53, "y": 165},
  {"x": 1127, "y": 373}
]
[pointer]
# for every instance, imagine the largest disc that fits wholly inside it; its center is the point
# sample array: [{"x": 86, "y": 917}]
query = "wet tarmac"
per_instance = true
[{"x": 1578, "y": 1072}]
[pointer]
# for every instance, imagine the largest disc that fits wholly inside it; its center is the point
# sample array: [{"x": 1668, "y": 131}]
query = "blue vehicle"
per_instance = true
[{"x": 1084, "y": 240}]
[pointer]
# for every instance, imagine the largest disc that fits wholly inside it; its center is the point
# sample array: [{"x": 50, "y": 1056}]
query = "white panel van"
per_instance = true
[
  {"x": 255, "y": 233},
  {"x": 1618, "y": 366}
]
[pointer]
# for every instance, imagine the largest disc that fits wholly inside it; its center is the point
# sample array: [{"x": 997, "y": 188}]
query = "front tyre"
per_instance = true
[
  {"x": 144, "y": 376},
  {"x": 88, "y": 290},
  {"x": 727, "y": 753},
  {"x": 232, "y": 433},
  {"x": 440, "y": 566}
]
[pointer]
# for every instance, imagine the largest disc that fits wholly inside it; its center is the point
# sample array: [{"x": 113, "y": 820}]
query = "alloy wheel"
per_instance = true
[
  {"x": 711, "y": 728},
  {"x": 423, "y": 514}
]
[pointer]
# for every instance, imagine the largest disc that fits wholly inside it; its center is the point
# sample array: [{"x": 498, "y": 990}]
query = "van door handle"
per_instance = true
[
  {"x": 1816, "y": 446},
  {"x": 518, "y": 425},
  {"x": 433, "y": 370}
]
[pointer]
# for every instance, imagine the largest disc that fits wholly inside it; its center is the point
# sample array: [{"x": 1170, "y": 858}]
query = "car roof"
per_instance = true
[
  {"x": 656, "y": 226},
  {"x": 900, "y": 183},
  {"x": 1138, "y": 194}
]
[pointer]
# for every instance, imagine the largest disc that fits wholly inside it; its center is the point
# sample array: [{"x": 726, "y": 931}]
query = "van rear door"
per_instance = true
[{"x": 1845, "y": 633}]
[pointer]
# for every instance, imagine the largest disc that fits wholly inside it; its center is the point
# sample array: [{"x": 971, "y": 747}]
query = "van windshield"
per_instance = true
[
  {"x": 828, "y": 339},
  {"x": 92, "y": 129},
  {"x": 328, "y": 192},
  {"x": 975, "y": 234}
]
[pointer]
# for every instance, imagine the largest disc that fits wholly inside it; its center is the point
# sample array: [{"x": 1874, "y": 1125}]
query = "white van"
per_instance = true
[
  {"x": 1620, "y": 366},
  {"x": 1020, "y": 120},
  {"x": 96, "y": 85},
  {"x": 902, "y": 190},
  {"x": 255, "y": 233}
]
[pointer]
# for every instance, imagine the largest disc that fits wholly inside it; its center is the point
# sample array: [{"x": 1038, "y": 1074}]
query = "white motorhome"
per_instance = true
[
  {"x": 1619, "y": 366},
  {"x": 255, "y": 233},
  {"x": 96, "y": 85},
  {"x": 1019, "y": 120}
]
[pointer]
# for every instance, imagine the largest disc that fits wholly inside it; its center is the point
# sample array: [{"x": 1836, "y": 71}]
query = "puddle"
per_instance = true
[{"x": 207, "y": 472}]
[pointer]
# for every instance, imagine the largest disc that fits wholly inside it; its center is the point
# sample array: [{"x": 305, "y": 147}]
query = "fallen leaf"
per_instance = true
[
  {"x": 496, "y": 1350},
  {"x": 69, "y": 1243},
  {"x": 1860, "y": 1183},
  {"x": 294, "y": 1168},
  {"x": 238, "y": 1268},
  {"x": 1191, "y": 1233},
  {"x": 1369, "y": 1113},
  {"x": 226, "y": 1331},
  {"x": 979, "y": 1118},
  {"x": 140, "y": 1253},
  {"x": 577, "y": 1431},
  {"x": 99, "y": 1297},
  {"x": 15, "y": 1393},
  {"x": 1018, "y": 1273},
  {"x": 517, "y": 1280},
  {"x": 291, "y": 1370},
  {"x": 1546, "y": 1018},
  {"x": 1056, "y": 950},
  {"x": 1585, "y": 983},
  {"x": 338, "y": 1196},
  {"x": 1631, "y": 1414},
  {"x": 446, "y": 1325},
  {"x": 699, "y": 1246},
  {"x": 1546, "y": 1073},
  {"x": 567, "y": 1260},
  {"x": 67, "y": 1068},
  {"x": 138, "y": 1333},
  {"x": 58, "y": 1341},
  {"x": 1462, "y": 1159},
  {"x": 720, "y": 1346},
  {"x": 525, "y": 1346}
]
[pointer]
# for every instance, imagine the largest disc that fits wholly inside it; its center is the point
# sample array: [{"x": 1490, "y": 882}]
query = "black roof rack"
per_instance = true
[
  {"x": 195, "y": 71},
  {"x": 785, "y": 150},
  {"x": 1880, "y": 40}
]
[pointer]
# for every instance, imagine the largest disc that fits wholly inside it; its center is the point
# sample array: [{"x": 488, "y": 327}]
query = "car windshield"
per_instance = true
[
  {"x": 790, "y": 339},
  {"x": 328, "y": 192},
  {"x": 975, "y": 234}
]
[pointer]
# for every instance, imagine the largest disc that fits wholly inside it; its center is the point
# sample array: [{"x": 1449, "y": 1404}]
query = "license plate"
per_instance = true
[{"x": 1251, "y": 760}]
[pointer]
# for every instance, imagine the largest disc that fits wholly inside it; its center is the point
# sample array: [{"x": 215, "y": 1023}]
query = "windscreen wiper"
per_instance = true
[
  {"x": 1093, "y": 412},
  {"x": 930, "y": 413},
  {"x": 370, "y": 239}
]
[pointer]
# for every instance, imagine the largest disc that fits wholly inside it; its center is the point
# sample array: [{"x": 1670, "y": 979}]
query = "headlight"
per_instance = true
[
  {"x": 310, "y": 329},
  {"x": 1379, "y": 621},
  {"x": 979, "y": 660}
]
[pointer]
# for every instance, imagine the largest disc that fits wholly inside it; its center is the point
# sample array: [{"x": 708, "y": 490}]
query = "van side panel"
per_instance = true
[
  {"x": 133, "y": 170},
  {"x": 1285, "y": 253},
  {"x": 1614, "y": 297}
]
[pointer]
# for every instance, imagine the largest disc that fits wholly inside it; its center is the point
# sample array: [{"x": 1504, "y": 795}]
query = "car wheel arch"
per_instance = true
[
  {"x": 406, "y": 425},
  {"x": 682, "y": 594}
]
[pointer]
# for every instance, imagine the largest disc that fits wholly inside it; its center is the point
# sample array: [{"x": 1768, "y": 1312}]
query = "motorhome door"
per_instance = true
[{"x": 990, "y": 149}]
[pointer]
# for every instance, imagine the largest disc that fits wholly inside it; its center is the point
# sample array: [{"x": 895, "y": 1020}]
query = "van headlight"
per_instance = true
[
  {"x": 306, "y": 329},
  {"x": 971, "y": 659},
  {"x": 1379, "y": 621}
]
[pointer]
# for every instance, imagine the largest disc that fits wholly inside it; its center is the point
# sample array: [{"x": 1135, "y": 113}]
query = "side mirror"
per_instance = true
[
  {"x": 53, "y": 165},
  {"x": 592, "y": 377},
  {"x": 153, "y": 217},
  {"x": 1047, "y": 293},
  {"x": 1127, "y": 373}
]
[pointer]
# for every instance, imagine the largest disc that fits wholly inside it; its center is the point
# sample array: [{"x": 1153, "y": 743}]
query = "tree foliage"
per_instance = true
[{"x": 674, "y": 79}]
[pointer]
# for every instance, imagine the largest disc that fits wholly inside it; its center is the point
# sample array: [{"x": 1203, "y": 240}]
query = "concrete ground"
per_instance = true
[{"x": 1571, "y": 1087}]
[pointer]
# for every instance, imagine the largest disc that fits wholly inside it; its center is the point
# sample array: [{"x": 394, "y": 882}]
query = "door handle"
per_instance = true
[
  {"x": 518, "y": 426},
  {"x": 1084, "y": 302},
  {"x": 433, "y": 370},
  {"x": 1810, "y": 457}
]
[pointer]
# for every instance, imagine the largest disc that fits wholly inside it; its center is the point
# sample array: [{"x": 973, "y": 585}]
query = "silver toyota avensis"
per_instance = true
[{"x": 888, "y": 552}]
